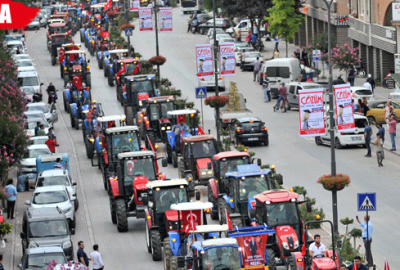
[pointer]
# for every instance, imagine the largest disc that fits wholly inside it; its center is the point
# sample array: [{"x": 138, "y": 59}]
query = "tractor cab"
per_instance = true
[
  {"x": 98, "y": 12},
  {"x": 78, "y": 110},
  {"x": 60, "y": 15},
  {"x": 126, "y": 66},
  {"x": 76, "y": 68},
  {"x": 65, "y": 48},
  {"x": 102, "y": 48},
  {"x": 73, "y": 13},
  {"x": 110, "y": 61},
  {"x": 56, "y": 28},
  {"x": 128, "y": 188},
  {"x": 54, "y": 21},
  {"x": 55, "y": 42}
]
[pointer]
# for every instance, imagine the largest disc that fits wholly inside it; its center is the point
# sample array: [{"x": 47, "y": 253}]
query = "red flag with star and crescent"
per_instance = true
[
  {"x": 77, "y": 81},
  {"x": 386, "y": 265},
  {"x": 121, "y": 70},
  {"x": 200, "y": 131},
  {"x": 15, "y": 15},
  {"x": 228, "y": 220}
]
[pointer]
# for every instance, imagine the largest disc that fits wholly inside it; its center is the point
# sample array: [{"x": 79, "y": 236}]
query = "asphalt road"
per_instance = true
[{"x": 300, "y": 160}]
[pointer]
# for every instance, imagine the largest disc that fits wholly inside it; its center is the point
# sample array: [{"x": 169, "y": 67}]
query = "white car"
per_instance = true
[
  {"x": 25, "y": 65},
  {"x": 248, "y": 59},
  {"x": 55, "y": 196},
  {"x": 210, "y": 33},
  {"x": 29, "y": 78},
  {"x": 14, "y": 44},
  {"x": 50, "y": 114},
  {"x": 209, "y": 83},
  {"x": 31, "y": 123},
  {"x": 239, "y": 52},
  {"x": 226, "y": 40},
  {"x": 244, "y": 26},
  {"x": 38, "y": 139},
  {"x": 218, "y": 37},
  {"x": 34, "y": 114},
  {"x": 344, "y": 138},
  {"x": 29, "y": 92},
  {"x": 359, "y": 92},
  {"x": 35, "y": 24},
  {"x": 21, "y": 56},
  {"x": 395, "y": 95},
  {"x": 28, "y": 165}
]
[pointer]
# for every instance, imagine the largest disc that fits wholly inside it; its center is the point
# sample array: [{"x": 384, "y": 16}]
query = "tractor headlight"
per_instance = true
[
  {"x": 162, "y": 128},
  {"x": 285, "y": 245},
  {"x": 173, "y": 225},
  {"x": 168, "y": 127},
  {"x": 296, "y": 244},
  {"x": 140, "y": 103},
  {"x": 205, "y": 173}
]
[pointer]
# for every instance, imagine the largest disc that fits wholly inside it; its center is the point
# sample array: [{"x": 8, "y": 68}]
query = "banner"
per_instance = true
[
  {"x": 166, "y": 19},
  {"x": 145, "y": 20},
  {"x": 344, "y": 108},
  {"x": 134, "y": 5},
  {"x": 311, "y": 112},
  {"x": 227, "y": 59},
  {"x": 204, "y": 61},
  {"x": 253, "y": 249},
  {"x": 14, "y": 15}
]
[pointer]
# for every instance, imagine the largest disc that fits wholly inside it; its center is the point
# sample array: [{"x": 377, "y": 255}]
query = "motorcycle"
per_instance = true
[
  {"x": 361, "y": 73},
  {"x": 52, "y": 97},
  {"x": 339, "y": 80}
]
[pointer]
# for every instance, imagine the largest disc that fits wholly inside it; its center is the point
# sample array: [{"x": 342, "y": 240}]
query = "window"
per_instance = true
[
  {"x": 362, "y": 7},
  {"x": 48, "y": 228},
  {"x": 282, "y": 72},
  {"x": 139, "y": 167},
  {"x": 291, "y": 89}
]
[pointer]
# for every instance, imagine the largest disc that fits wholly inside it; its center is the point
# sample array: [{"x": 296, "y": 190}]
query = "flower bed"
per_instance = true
[
  {"x": 216, "y": 101},
  {"x": 127, "y": 26},
  {"x": 338, "y": 182}
]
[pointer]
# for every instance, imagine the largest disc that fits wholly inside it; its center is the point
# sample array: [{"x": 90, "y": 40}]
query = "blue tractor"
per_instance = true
[
  {"x": 110, "y": 62},
  {"x": 78, "y": 111},
  {"x": 101, "y": 55}
]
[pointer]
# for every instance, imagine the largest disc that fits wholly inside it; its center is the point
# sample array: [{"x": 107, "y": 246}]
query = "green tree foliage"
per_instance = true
[{"x": 283, "y": 20}]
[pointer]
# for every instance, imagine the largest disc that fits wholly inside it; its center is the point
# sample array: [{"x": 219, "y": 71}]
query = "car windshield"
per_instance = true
[
  {"x": 156, "y": 113},
  {"x": 253, "y": 124},
  {"x": 223, "y": 257},
  {"x": 28, "y": 90},
  {"x": 363, "y": 92},
  {"x": 34, "y": 153},
  {"x": 42, "y": 108},
  {"x": 245, "y": 48},
  {"x": 311, "y": 86},
  {"x": 42, "y": 260},
  {"x": 230, "y": 165},
  {"x": 28, "y": 81},
  {"x": 48, "y": 228},
  {"x": 139, "y": 167},
  {"x": 253, "y": 55},
  {"x": 53, "y": 181},
  {"x": 359, "y": 123},
  {"x": 282, "y": 214},
  {"x": 125, "y": 142},
  {"x": 253, "y": 185},
  {"x": 223, "y": 36},
  {"x": 203, "y": 149},
  {"x": 168, "y": 196},
  {"x": 49, "y": 197},
  {"x": 23, "y": 64},
  {"x": 227, "y": 40}
]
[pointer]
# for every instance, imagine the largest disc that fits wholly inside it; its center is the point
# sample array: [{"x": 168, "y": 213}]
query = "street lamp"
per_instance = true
[
  {"x": 155, "y": 8},
  {"x": 332, "y": 121},
  {"x": 217, "y": 119}
]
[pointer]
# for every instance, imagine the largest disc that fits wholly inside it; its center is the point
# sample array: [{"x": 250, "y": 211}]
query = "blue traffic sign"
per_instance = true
[
  {"x": 128, "y": 32},
  {"x": 201, "y": 92},
  {"x": 366, "y": 201}
]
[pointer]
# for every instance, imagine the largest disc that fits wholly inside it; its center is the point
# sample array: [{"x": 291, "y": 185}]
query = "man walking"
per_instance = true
[
  {"x": 282, "y": 96},
  {"x": 379, "y": 149},
  {"x": 392, "y": 131},
  {"x": 367, "y": 225},
  {"x": 51, "y": 144},
  {"x": 257, "y": 66},
  {"x": 367, "y": 136},
  {"x": 96, "y": 258},
  {"x": 81, "y": 254},
  {"x": 11, "y": 192},
  {"x": 266, "y": 89},
  {"x": 41, "y": 131}
]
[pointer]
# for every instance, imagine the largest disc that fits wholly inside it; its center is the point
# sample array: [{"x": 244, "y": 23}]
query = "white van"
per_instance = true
[
  {"x": 293, "y": 89},
  {"x": 30, "y": 78},
  {"x": 280, "y": 70},
  {"x": 245, "y": 26}
]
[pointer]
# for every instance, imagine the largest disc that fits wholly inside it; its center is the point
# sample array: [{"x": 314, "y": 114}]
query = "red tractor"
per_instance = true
[
  {"x": 56, "y": 28},
  {"x": 126, "y": 66},
  {"x": 63, "y": 49},
  {"x": 102, "y": 42},
  {"x": 128, "y": 189}
]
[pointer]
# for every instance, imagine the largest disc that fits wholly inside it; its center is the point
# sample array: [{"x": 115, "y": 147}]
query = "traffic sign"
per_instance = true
[
  {"x": 316, "y": 55},
  {"x": 201, "y": 92},
  {"x": 128, "y": 32},
  {"x": 366, "y": 201}
]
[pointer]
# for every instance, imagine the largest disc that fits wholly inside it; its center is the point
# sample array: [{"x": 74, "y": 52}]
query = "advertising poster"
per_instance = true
[
  {"x": 166, "y": 19},
  {"x": 204, "y": 61},
  {"x": 311, "y": 112},
  {"x": 134, "y": 5},
  {"x": 227, "y": 59},
  {"x": 145, "y": 20},
  {"x": 253, "y": 249},
  {"x": 344, "y": 108}
]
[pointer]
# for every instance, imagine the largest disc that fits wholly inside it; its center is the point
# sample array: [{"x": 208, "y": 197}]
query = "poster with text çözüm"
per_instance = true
[
  {"x": 204, "y": 61},
  {"x": 145, "y": 20},
  {"x": 227, "y": 59},
  {"x": 134, "y": 5},
  {"x": 166, "y": 19},
  {"x": 311, "y": 112},
  {"x": 344, "y": 108}
]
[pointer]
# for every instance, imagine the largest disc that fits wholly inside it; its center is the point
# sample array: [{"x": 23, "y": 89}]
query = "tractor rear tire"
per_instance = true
[
  {"x": 167, "y": 254},
  {"x": 181, "y": 171},
  {"x": 106, "y": 176},
  {"x": 122, "y": 215},
  {"x": 113, "y": 212},
  {"x": 72, "y": 118},
  {"x": 119, "y": 93},
  {"x": 66, "y": 79},
  {"x": 53, "y": 61},
  {"x": 61, "y": 71},
  {"x": 156, "y": 249},
  {"x": 89, "y": 148},
  {"x": 76, "y": 119},
  {"x": 271, "y": 259},
  {"x": 214, "y": 201},
  {"x": 100, "y": 63},
  {"x": 130, "y": 116},
  {"x": 110, "y": 79},
  {"x": 105, "y": 68},
  {"x": 76, "y": 204},
  {"x": 147, "y": 235},
  {"x": 152, "y": 138},
  {"x": 81, "y": 37},
  {"x": 169, "y": 153},
  {"x": 174, "y": 159},
  {"x": 174, "y": 264},
  {"x": 65, "y": 102},
  {"x": 89, "y": 80},
  {"x": 225, "y": 206}
]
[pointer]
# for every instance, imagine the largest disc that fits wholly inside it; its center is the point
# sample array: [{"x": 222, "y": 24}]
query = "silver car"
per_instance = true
[
  {"x": 248, "y": 59},
  {"x": 35, "y": 24}
]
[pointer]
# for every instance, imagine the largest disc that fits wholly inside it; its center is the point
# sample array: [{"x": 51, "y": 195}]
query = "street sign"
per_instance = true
[
  {"x": 366, "y": 201},
  {"x": 201, "y": 92},
  {"x": 316, "y": 55},
  {"x": 128, "y": 32}
]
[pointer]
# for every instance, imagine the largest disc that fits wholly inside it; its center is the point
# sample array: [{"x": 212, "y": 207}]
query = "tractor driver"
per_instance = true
[
  {"x": 317, "y": 249},
  {"x": 76, "y": 60},
  {"x": 177, "y": 130},
  {"x": 224, "y": 259},
  {"x": 167, "y": 198}
]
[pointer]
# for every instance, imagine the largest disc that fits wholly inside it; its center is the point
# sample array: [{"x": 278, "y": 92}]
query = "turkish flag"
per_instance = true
[
  {"x": 354, "y": 265},
  {"x": 108, "y": 5},
  {"x": 77, "y": 81},
  {"x": 192, "y": 224},
  {"x": 228, "y": 220},
  {"x": 386, "y": 265},
  {"x": 200, "y": 131},
  {"x": 81, "y": 6},
  {"x": 69, "y": 3},
  {"x": 62, "y": 54},
  {"x": 15, "y": 15},
  {"x": 121, "y": 70}
]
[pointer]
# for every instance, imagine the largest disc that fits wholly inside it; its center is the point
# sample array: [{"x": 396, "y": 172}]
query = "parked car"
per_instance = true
[
  {"x": 239, "y": 52},
  {"x": 210, "y": 33},
  {"x": 221, "y": 23},
  {"x": 359, "y": 92},
  {"x": 28, "y": 164},
  {"x": 395, "y": 95},
  {"x": 24, "y": 63},
  {"x": 293, "y": 91},
  {"x": 377, "y": 111},
  {"x": 50, "y": 114},
  {"x": 24, "y": 56},
  {"x": 226, "y": 40},
  {"x": 34, "y": 24},
  {"x": 39, "y": 257},
  {"x": 30, "y": 92},
  {"x": 38, "y": 139},
  {"x": 248, "y": 59},
  {"x": 209, "y": 83},
  {"x": 29, "y": 78},
  {"x": 245, "y": 26},
  {"x": 248, "y": 130},
  {"x": 16, "y": 44},
  {"x": 34, "y": 114},
  {"x": 31, "y": 123},
  {"x": 218, "y": 37},
  {"x": 201, "y": 18}
]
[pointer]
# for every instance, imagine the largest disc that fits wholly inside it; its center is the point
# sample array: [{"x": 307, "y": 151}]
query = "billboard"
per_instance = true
[
  {"x": 344, "y": 108},
  {"x": 166, "y": 19},
  {"x": 227, "y": 59},
  {"x": 145, "y": 20},
  {"x": 204, "y": 61},
  {"x": 311, "y": 112}
]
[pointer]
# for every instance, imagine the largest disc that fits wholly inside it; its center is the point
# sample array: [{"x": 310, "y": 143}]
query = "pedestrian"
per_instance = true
[
  {"x": 304, "y": 57},
  {"x": 239, "y": 35},
  {"x": 51, "y": 144},
  {"x": 37, "y": 127},
  {"x": 248, "y": 38},
  {"x": 276, "y": 40},
  {"x": 1, "y": 262},
  {"x": 365, "y": 106},
  {"x": 96, "y": 258},
  {"x": 275, "y": 54},
  {"x": 371, "y": 82},
  {"x": 367, "y": 136},
  {"x": 379, "y": 149},
  {"x": 367, "y": 85},
  {"x": 18, "y": 51},
  {"x": 367, "y": 238},
  {"x": 351, "y": 76},
  {"x": 69, "y": 85},
  {"x": 359, "y": 265},
  {"x": 296, "y": 53},
  {"x": 257, "y": 66},
  {"x": 282, "y": 95},
  {"x": 266, "y": 89},
  {"x": 255, "y": 29},
  {"x": 51, "y": 133},
  {"x": 41, "y": 131},
  {"x": 355, "y": 106},
  {"x": 81, "y": 254},
  {"x": 388, "y": 110},
  {"x": 381, "y": 131},
  {"x": 392, "y": 131},
  {"x": 11, "y": 192},
  {"x": 309, "y": 78}
]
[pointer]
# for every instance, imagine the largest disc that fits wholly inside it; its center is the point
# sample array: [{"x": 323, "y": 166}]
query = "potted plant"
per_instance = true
[
  {"x": 334, "y": 183},
  {"x": 354, "y": 14},
  {"x": 216, "y": 101},
  {"x": 113, "y": 14},
  {"x": 5, "y": 228},
  {"x": 157, "y": 60},
  {"x": 127, "y": 26}
]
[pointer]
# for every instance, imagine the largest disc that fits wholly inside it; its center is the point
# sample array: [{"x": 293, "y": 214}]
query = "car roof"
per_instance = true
[
  {"x": 210, "y": 228},
  {"x": 49, "y": 188},
  {"x": 36, "y": 119},
  {"x": 37, "y": 146},
  {"x": 198, "y": 138},
  {"x": 44, "y": 213},
  {"x": 41, "y": 250},
  {"x": 35, "y": 104},
  {"x": 118, "y": 51},
  {"x": 354, "y": 88},
  {"x": 54, "y": 172},
  {"x": 248, "y": 119},
  {"x": 75, "y": 51},
  {"x": 57, "y": 24},
  {"x": 38, "y": 138},
  {"x": 181, "y": 112},
  {"x": 33, "y": 112},
  {"x": 28, "y": 74}
]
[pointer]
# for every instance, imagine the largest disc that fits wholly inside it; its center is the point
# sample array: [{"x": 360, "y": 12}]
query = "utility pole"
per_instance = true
[
  {"x": 127, "y": 21},
  {"x": 217, "y": 119},
  {"x": 155, "y": 9}
]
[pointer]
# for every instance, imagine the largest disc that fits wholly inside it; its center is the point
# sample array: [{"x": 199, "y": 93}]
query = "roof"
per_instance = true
[
  {"x": 45, "y": 212},
  {"x": 230, "y": 154},
  {"x": 248, "y": 119},
  {"x": 41, "y": 250},
  {"x": 160, "y": 99},
  {"x": 181, "y": 112},
  {"x": 354, "y": 88},
  {"x": 59, "y": 34},
  {"x": 118, "y": 51},
  {"x": 58, "y": 24},
  {"x": 35, "y": 104},
  {"x": 166, "y": 183},
  {"x": 248, "y": 170},
  {"x": 136, "y": 154},
  {"x": 210, "y": 228},
  {"x": 38, "y": 138},
  {"x": 49, "y": 188},
  {"x": 52, "y": 158},
  {"x": 54, "y": 172},
  {"x": 98, "y": 5},
  {"x": 276, "y": 196},
  {"x": 37, "y": 146},
  {"x": 198, "y": 138},
  {"x": 111, "y": 118},
  {"x": 128, "y": 60},
  {"x": 191, "y": 206},
  {"x": 75, "y": 51},
  {"x": 121, "y": 129},
  {"x": 27, "y": 113},
  {"x": 27, "y": 74},
  {"x": 144, "y": 77},
  {"x": 219, "y": 242}
]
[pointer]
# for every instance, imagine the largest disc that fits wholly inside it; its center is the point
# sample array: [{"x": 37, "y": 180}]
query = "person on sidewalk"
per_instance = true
[
  {"x": 37, "y": 127},
  {"x": 379, "y": 149},
  {"x": 392, "y": 131},
  {"x": 96, "y": 258},
  {"x": 371, "y": 82},
  {"x": 11, "y": 192},
  {"x": 41, "y": 131},
  {"x": 257, "y": 66},
  {"x": 367, "y": 240},
  {"x": 1, "y": 262},
  {"x": 266, "y": 89},
  {"x": 381, "y": 131},
  {"x": 367, "y": 136},
  {"x": 51, "y": 144},
  {"x": 359, "y": 265},
  {"x": 317, "y": 249},
  {"x": 50, "y": 133},
  {"x": 351, "y": 76},
  {"x": 81, "y": 254}
]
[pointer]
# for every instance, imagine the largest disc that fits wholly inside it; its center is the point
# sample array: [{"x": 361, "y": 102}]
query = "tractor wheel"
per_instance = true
[
  {"x": 236, "y": 222},
  {"x": 291, "y": 265},
  {"x": 174, "y": 264},
  {"x": 92, "y": 51},
  {"x": 181, "y": 170},
  {"x": 89, "y": 80},
  {"x": 156, "y": 249},
  {"x": 167, "y": 254},
  {"x": 65, "y": 102},
  {"x": 271, "y": 259},
  {"x": 219, "y": 201},
  {"x": 147, "y": 234},
  {"x": 89, "y": 148},
  {"x": 214, "y": 201},
  {"x": 152, "y": 138},
  {"x": 110, "y": 79},
  {"x": 100, "y": 63},
  {"x": 72, "y": 118},
  {"x": 66, "y": 79},
  {"x": 174, "y": 159},
  {"x": 105, "y": 71},
  {"x": 119, "y": 93},
  {"x": 224, "y": 206},
  {"x": 113, "y": 212},
  {"x": 130, "y": 116},
  {"x": 191, "y": 184},
  {"x": 105, "y": 177},
  {"x": 169, "y": 153},
  {"x": 122, "y": 215},
  {"x": 53, "y": 60},
  {"x": 76, "y": 123},
  {"x": 61, "y": 71},
  {"x": 81, "y": 37}
]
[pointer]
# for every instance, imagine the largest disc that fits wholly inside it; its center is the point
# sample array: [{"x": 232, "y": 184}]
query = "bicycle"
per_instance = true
[{"x": 284, "y": 106}]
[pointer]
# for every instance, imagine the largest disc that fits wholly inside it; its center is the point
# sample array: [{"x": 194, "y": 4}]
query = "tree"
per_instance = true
[
  {"x": 283, "y": 20},
  {"x": 320, "y": 42},
  {"x": 345, "y": 57}
]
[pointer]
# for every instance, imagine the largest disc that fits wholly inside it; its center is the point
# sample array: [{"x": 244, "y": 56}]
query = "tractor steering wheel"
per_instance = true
[
  {"x": 221, "y": 267},
  {"x": 125, "y": 148}
]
